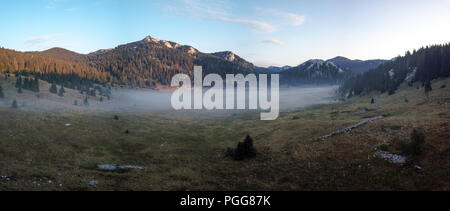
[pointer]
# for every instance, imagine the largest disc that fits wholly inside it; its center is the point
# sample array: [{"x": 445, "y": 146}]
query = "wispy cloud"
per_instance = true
[
  {"x": 216, "y": 11},
  {"x": 295, "y": 19},
  {"x": 289, "y": 18},
  {"x": 273, "y": 41},
  {"x": 36, "y": 40},
  {"x": 257, "y": 25}
]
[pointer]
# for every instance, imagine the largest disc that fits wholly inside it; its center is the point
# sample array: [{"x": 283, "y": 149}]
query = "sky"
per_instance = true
[{"x": 264, "y": 32}]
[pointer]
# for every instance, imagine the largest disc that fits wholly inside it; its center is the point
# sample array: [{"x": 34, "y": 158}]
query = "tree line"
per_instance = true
[{"x": 422, "y": 65}]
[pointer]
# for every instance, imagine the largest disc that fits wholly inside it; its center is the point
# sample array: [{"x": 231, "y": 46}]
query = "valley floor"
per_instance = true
[{"x": 60, "y": 151}]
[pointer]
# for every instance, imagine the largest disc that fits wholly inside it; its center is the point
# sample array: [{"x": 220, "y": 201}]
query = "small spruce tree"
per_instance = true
[
  {"x": 14, "y": 105},
  {"x": 244, "y": 150},
  {"x": 86, "y": 103},
  {"x": 61, "y": 91},
  {"x": 428, "y": 89},
  {"x": 35, "y": 85},
  {"x": 1, "y": 93},
  {"x": 19, "y": 82},
  {"x": 53, "y": 89}
]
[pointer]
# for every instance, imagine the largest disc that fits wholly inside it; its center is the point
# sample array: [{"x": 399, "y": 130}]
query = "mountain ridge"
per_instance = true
[
  {"x": 152, "y": 62},
  {"x": 356, "y": 66}
]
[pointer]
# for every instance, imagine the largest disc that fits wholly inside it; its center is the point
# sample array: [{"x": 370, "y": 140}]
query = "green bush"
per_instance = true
[
  {"x": 244, "y": 150},
  {"x": 384, "y": 147},
  {"x": 416, "y": 144}
]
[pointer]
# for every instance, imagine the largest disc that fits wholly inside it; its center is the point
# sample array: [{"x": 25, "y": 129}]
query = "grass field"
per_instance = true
[{"x": 39, "y": 152}]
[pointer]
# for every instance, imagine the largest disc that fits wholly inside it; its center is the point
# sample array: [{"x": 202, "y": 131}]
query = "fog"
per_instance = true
[
  {"x": 147, "y": 101},
  {"x": 160, "y": 101}
]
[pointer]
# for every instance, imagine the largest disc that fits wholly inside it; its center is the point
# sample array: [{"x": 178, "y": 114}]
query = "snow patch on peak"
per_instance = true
[
  {"x": 315, "y": 63},
  {"x": 411, "y": 75},
  {"x": 391, "y": 73}
]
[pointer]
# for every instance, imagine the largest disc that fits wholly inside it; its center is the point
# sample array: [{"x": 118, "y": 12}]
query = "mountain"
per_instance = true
[
  {"x": 356, "y": 66},
  {"x": 314, "y": 71},
  {"x": 146, "y": 63},
  {"x": 152, "y": 62},
  {"x": 278, "y": 69},
  {"x": 50, "y": 64}
]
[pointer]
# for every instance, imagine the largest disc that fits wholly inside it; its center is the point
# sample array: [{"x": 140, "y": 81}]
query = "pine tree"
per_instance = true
[
  {"x": 86, "y": 103},
  {"x": 35, "y": 85},
  {"x": 14, "y": 105},
  {"x": 1, "y": 93},
  {"x": 19, "y": 82},
  {"x": 243, "y": 151},
  {"x": 54, "y": 89},
  {"x": 61, "y": 91},
  {"x": 428, "y": 89},
  {"x": 26, "y": 84}
]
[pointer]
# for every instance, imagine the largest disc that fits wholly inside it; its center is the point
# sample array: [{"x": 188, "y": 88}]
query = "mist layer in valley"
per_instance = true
[
  {"x": 160, "y": 101},
  {"x": 149, "y": 101}
]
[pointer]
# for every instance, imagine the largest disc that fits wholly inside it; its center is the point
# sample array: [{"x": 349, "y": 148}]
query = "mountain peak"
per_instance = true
[
  {"x": 168, "y": 44},
  {"x": 62, "y": 54},
  {"x": 227, "y": 55},
  {"x": 339, "y": 59},
  {"x": 313, "y": 62},
  {"x": 151, "y": 39}
]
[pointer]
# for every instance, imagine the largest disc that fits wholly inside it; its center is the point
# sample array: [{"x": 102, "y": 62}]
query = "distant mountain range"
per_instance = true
[
  {"x": 152, "y": 62},
  {"x": 279, "y": 69},
  {"x": 314, "y": 71},
  {"x": 356, "y": 66}
]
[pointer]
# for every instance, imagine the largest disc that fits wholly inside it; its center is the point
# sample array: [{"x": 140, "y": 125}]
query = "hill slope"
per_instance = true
[
  {"x": 63, "y": 54},
  {"x": 356, "y": 66},
  {"x": 423, "y": 65}
]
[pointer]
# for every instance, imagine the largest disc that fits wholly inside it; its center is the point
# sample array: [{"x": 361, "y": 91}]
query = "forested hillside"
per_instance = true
[
  {"x": 146, "y": 63},
  {"x": 421, "y": 65},
  {"x": 13, "y": 61}
]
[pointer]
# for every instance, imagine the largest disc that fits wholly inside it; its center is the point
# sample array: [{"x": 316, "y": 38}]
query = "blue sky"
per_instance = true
[{"x": 265, "y": 32}]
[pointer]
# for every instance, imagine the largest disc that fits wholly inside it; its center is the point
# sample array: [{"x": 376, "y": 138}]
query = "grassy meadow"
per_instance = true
[{"x": 39, "y": 151}]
